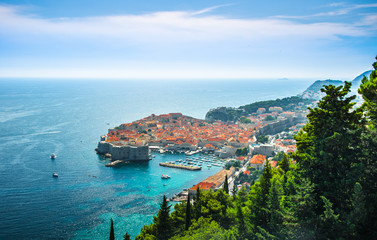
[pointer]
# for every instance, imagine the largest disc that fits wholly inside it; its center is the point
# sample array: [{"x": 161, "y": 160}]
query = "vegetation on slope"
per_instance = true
[
  {"x": 329, "y": 193},
  {"x": 234, "y": 114}
]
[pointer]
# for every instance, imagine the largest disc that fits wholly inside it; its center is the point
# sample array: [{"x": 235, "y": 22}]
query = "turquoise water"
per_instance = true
[{"x": 67, "y": 118}]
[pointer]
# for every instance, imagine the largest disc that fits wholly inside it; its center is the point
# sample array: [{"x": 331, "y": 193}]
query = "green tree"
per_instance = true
[
  {"x": 188, "y": 212},
  {"x": 302, "y": 204},
  {"x": 265, "y": 181},
  {"x": 111, "y": 230},
  {"x": 126, "y": 236},
  {"x": 205, "y": 229},
  {"x": 198, "y": 203},
  {"x": 262, "y": 139},
  {"x": 242, "y": 151},
  {"x": 329, "y": 228},
  {"x": 226, "y": 186},
  {"x": 162, "y": 221},
  {"x": 284, "y": 163},
  {"x": 245, "y": 120},
  {"x": 368, "y": 89},
  {"x": 241, "y": 222},
  {"x": 178, "y": 218},
  {"x": 234, "y": 191},
  {"x": 358, "y": 213},
  {"x": 259, "y": 196},
  {"x": 327, "y": 148},
  {"x": 269, "y": 118},
  {"x": 274, "y": 206}
]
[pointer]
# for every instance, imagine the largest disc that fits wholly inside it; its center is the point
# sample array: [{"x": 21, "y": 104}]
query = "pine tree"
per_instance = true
[
  {"x": 126, "y": 236},
  {"x": 241, "y": 222},
  {"x": 284, "y": 163},
  {"x": 226, "y": 187},
  {"x": 265, "y": 181},
  {"x": 188, "y": 212},
  {"x": 274, "y": 206},
  {"x": 358, "y": 213},
  {"x": 162, "y": 221},
  {"x": 260, "y": 210},
  {"x": 112, "y": 237},
  {"x": 329, "y": 228},
  {"x": 368, "y": 182},
  {"x": 327, "y": 148},
  {"x": 368, "y": 91}
]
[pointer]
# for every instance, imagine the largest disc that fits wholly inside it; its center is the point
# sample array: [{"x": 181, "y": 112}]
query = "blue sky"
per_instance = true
[{"x": 191, "y": 39}]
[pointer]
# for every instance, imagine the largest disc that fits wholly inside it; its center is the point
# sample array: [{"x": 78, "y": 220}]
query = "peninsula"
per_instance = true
[{"x": 175, "y": 132}]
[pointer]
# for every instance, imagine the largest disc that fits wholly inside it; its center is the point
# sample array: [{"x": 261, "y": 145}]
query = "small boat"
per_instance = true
[
  {"x": 165, "y": 176},
  {"x": 55, "y": 175},
  {"x": 53, "y": 156}
]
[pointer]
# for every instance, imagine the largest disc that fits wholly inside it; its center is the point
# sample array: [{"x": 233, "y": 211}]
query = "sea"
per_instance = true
[{"x": 67, "y": 117}]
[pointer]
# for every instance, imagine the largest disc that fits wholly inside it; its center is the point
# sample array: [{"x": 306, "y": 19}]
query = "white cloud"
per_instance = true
[
  {"x": 206, "y": 45},
  {"x": 169, "y": 26},
  {"x": 345, "y": 9}
]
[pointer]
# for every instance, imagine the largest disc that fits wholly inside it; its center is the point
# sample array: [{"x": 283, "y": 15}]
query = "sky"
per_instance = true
[{"x": 187, "y": 39}]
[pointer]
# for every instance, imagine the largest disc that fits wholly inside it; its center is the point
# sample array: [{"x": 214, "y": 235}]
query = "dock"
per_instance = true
[{"x": 191, "y": 168}]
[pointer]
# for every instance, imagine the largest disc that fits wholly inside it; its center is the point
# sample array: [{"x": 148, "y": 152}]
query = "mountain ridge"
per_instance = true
[{"x": 312, "y": 93}]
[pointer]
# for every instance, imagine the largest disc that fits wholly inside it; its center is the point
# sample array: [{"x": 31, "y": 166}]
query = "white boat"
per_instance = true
[
  {"x": 53, "y": 156},
  {"x": 165, "y": 176},
  {"x": 55, "y": 175}
]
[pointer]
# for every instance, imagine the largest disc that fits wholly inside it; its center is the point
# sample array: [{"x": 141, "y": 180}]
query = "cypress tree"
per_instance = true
[
  {"x": 198, "y": 204},
  {"x": 226, "y": 187},
  {"x": 188, "y": 213},
  {"x": 234, "y": 191},
  {"x": 112, "y": 237}
]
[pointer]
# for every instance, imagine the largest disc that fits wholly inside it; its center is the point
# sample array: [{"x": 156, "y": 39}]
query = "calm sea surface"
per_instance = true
[{"x": 38, "y": 118}]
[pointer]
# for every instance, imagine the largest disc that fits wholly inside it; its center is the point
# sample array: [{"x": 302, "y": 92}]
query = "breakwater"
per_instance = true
[{"x": 192, "y": 168}]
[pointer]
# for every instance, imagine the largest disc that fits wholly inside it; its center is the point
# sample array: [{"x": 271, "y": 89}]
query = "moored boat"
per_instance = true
[
  {"x": 163, "y": 176},
  {"x": 53, "y": 156},
  {"x": 55, "y": 175}
]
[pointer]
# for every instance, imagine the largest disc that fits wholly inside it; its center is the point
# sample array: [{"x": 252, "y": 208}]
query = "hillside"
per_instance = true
[
  {"x": 313, "y": 92},
  {"x": 357, "y": 80}
]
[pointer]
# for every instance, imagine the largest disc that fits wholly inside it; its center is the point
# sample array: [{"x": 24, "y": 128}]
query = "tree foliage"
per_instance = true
[
  {"x": 111, "y": 237},
  {"x": 242, "y": 151},
  {"x": 188, "y": 212},
  {"x": 262, "y": 138},
  {"x": 330, "y": 193}
]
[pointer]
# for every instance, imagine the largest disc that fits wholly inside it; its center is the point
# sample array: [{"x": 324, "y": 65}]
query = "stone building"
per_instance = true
[{"x": 122, "y": 151}]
